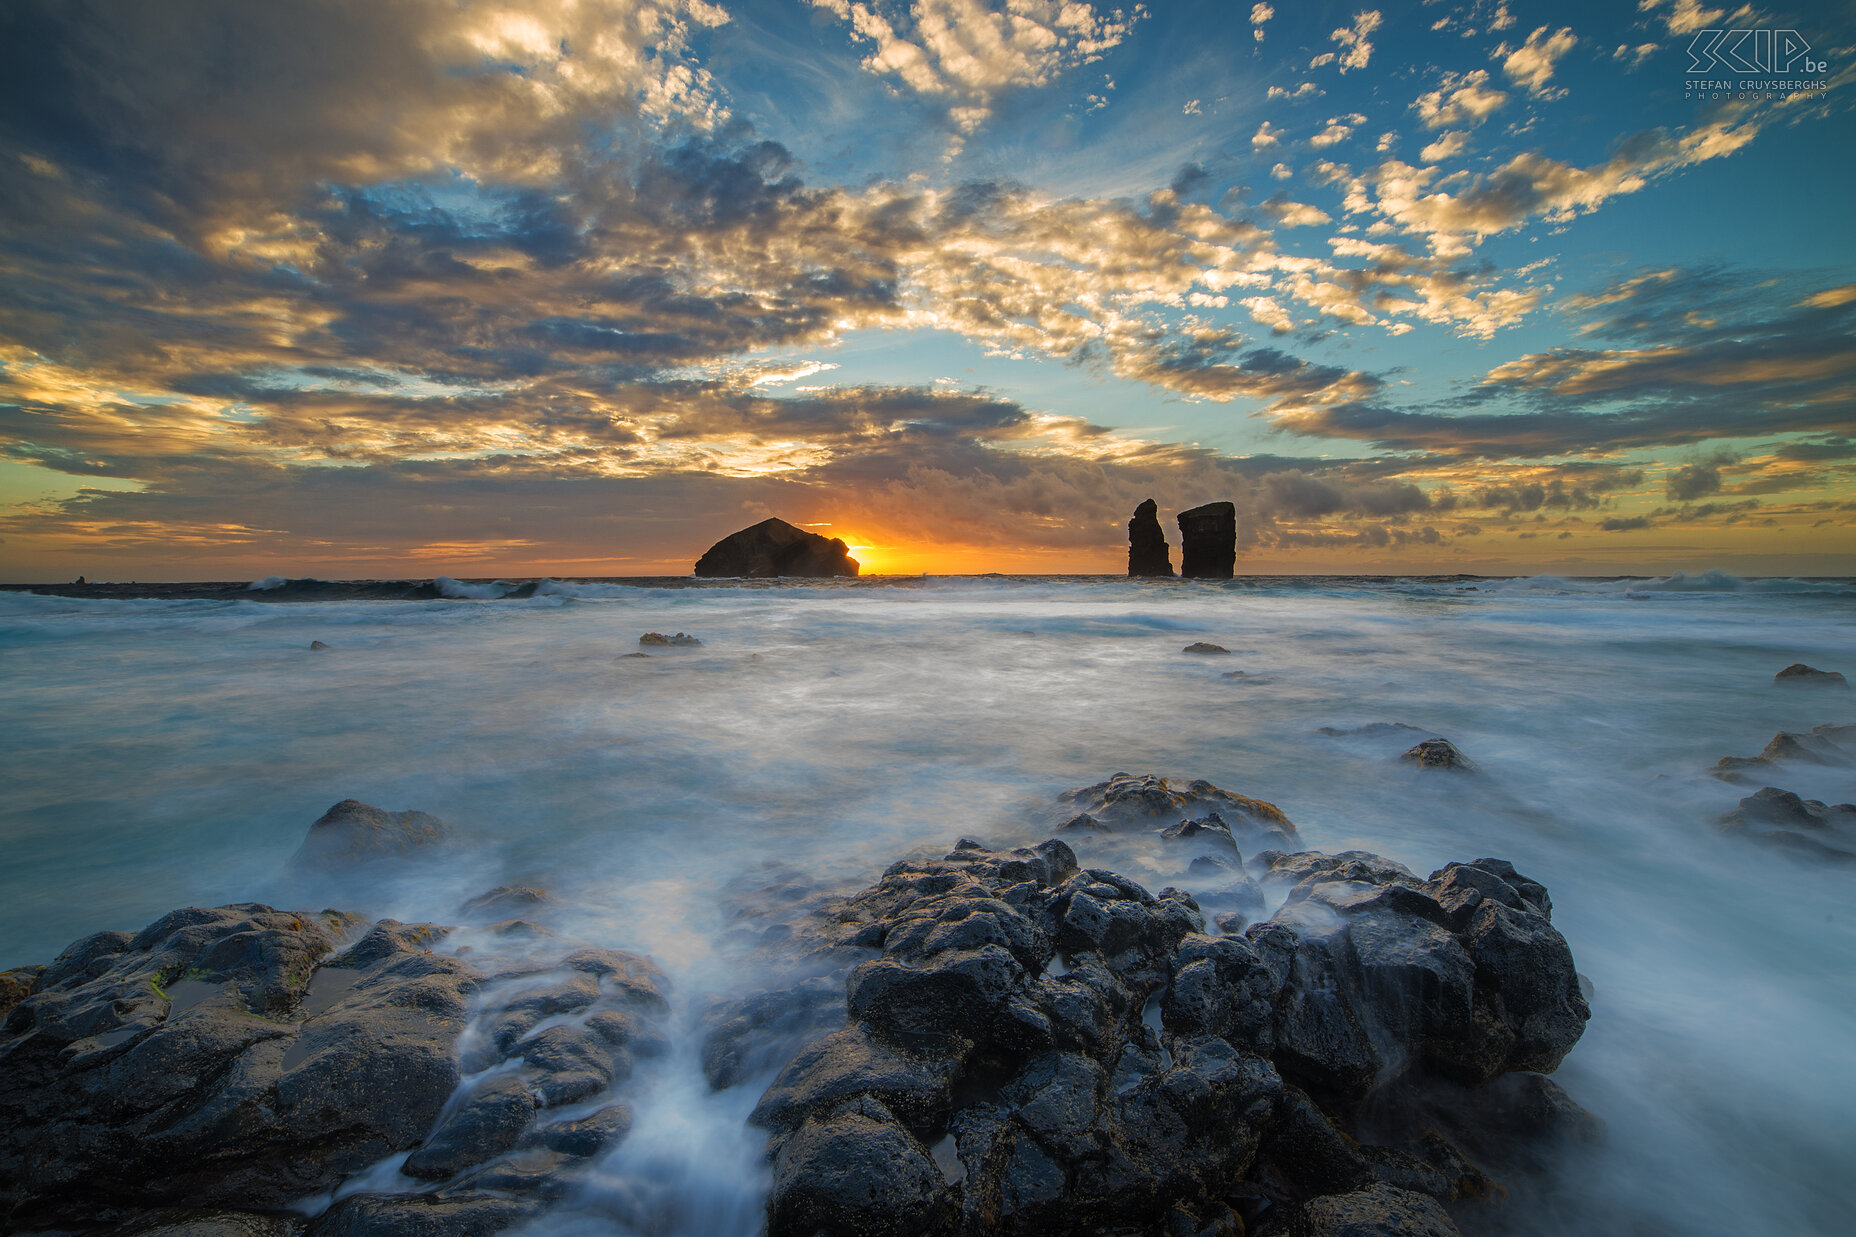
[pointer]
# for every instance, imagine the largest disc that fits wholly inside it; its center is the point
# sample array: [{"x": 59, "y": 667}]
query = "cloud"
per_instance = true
[
  {"x": 1448, "y": 145},
  {"x": 1356, "y": 51},
  {"x": 1531, "y": 64},
  {"x": 968, "y": 52},
  {"x": 1692, "y": 481},
  {"x": 1460, "y": 99},
  {"x": 1775, "y": 368},
  {"x": 1259, "y": 14},
  {"x": 1338, "y": 130},
  {"x": 1683, "y": 16},
  {"x": 1293, "y": 214},
  {"x": 1265, "y": 136}
]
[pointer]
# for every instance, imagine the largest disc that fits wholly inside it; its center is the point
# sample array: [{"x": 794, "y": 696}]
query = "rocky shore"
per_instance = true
[{"x": 999, "y": 1040}]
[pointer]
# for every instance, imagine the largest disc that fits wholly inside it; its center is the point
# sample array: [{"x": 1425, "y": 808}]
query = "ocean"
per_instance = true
[{"x": 161, "y": 753}]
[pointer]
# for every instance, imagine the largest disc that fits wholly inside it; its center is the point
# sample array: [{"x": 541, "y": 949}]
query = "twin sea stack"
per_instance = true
[
  {"x": 1207, "y": 536},
  {"x": 776, "y": 548}
]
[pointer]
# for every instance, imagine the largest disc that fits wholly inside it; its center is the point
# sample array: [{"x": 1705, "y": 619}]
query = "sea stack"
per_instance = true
[
  {"x": 776, "y": 548},
  {"x": 1208, "y": 542},
  {"x": 1147, "y": 550}
]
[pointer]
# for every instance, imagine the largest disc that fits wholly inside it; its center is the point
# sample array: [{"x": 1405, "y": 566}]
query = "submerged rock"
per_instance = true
[
  {"x": 776, "y": 548},
  {"x": 1127, "y": 801},
  {"x": 1147, "y": 548},
  {"x": 1800, "y": 675},
  {"x": 1040, "y": 1048},
  {"x": 352, "y": 833},
  {"x": 1783, "y": 819},
  {"x": 1208, "y": 542},
  {"x": 658, "y": 640},
  {"x": 317, "y": 644},
  {"x": 1831, "y": 744},
  {"x": 1200, "y": 646},
  {"x": 1438, "y": 754}
]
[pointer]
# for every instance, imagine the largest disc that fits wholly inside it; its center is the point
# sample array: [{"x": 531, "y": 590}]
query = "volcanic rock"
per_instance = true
[
  {"x": 658, "y": 640},
  {"x": 776, "y": 548},
  {"x": 352, "y": 833},
  {"x": 237, "y": 1059},
  {"x": 1783, "y": 819},
  {"x": 1126, "y": 801},
  {"x": 1438, "y": 754},
  {"x": 1800, "y": 675},
  {"x": 1045, "y": 1049},
  {"x": 1147, "y": 548},
  {"x": 1208, "y": 542}
]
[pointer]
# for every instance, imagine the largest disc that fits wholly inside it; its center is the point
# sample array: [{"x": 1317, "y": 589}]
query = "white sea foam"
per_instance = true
[{"x": 170, "y": 752}]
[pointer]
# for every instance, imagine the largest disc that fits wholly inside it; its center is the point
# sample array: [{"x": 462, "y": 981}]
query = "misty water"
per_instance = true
[{"x": 160, "y": 754}]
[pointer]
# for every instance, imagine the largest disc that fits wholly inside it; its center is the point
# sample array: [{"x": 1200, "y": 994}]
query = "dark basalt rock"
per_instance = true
[
  {"x": 505, "y": 902},
  {"x": 658, "y": 640},
  {"x": 1127, "y": 801},
  {"x": 1782, "y": 819},
  {"x": 1208, "y": 542},
  {"x": 1438, "y": 754},
  {"x": 1045, "y": 1049},
  {"x": 190, "y": 1064},
  {"x": 352, "y": 833},
  {"x": 1147, "y": 549},
  {"x": 238, "y": 1059},
  {"x": 1830, "y": 744},
  {"x": 1200, "y": 646},
  {"x": 1800, "y": 675},
  {"x": 776, "y": 548}
]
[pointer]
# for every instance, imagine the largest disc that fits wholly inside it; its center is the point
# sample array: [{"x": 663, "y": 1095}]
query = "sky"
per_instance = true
[{"x": 577, "y": 287}]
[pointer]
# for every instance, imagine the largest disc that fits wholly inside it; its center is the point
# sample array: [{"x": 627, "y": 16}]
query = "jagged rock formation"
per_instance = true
[
  {"x": 1208, "y": 542},
  {"x": 1830, "y": 744},
  {"x": 1040, "y": 1048},
  {"x": 1147, "y": 548},
  {"x": 1786, "y": 820},
  {"x": 209, "y": 1072},
  {"x": 776, "y": 548}
]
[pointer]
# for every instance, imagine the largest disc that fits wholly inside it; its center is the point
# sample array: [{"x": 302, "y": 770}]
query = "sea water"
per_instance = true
[{"x": 164, "y": 753}]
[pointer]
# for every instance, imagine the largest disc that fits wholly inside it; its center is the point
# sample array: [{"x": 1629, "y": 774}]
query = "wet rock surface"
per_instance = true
[
  {"x": 1830, "y": 744},
  {"x": 1027, "y": 1045},
  {"x": 1800, "y": 675},
  {"x": 353, "y": 833},
  {"x": 222, "y": 1065},
  {"x": 1147, "y": 548},
  {"x": 776, "y": 548},
  {"x": 1784, "y": 820},
  {"x": 1128, "y": 801},
  {"x": 1438, "y": 754}
]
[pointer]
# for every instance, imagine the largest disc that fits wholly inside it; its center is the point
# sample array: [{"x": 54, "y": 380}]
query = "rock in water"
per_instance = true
[
  {"x": 776, "y": 548},
  {"x": 1147, "y": 550},
  {"x": 1808, "y": 826},
  {"x": 1208, "y": 542},
  {"x": 1044, "y": 1050},
  {"x": 1800, "y": 675},
  {"x": 187, "y": 1065},
  {"x": 1438, "y": 754},
  {"x": 354, "y": 832}
]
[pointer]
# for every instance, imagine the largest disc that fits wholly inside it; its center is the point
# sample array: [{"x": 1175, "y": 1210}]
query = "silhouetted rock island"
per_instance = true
[
  {"x": 1147, "y": 551},
  {"x": 1208, "y": 542},
  {"x": 776, "y": 548}
]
